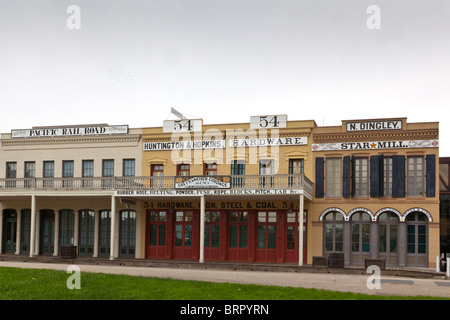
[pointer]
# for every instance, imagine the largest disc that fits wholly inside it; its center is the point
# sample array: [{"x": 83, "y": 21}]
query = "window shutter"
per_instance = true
[
  {"x": 320, "y": 169},
  {"x": 353, "y": 165},
  {"x": 375, "y": 176},
  {"x": 346, "y": 177},
  {"x": 431, "y": 175},
  {"x": 398, "y": 176}
]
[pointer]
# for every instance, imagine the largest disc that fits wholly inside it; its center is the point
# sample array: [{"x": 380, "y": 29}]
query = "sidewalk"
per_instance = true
[{"x": 390, "y": 284}]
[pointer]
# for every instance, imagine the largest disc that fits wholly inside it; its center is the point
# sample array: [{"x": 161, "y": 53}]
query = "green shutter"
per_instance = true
[
  {"x": 431, "y": 175},
  {"x": 320, "y": 177}
]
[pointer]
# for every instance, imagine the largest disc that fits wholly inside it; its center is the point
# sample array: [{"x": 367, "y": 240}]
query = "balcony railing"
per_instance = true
[{"x": 241, "y": 182}]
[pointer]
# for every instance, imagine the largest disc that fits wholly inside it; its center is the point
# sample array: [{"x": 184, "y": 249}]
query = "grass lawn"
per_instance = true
[{"x": 40, "y": 284}]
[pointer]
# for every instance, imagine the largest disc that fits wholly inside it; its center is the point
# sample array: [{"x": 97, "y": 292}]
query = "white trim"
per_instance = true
[
  {"x": 425, "y": 212},
  {"x": 363, "y": 210},
  {"x": 326, "y": 211},
  {"x": 381, "y": 211}
]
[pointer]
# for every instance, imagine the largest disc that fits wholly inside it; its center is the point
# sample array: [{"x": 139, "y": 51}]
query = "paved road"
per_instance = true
[{"x": 389, "y": 285}]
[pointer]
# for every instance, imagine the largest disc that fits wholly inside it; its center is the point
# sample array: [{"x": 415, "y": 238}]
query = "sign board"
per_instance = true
[
  {"x": 202, "y": 182},
  {"x": 267, "y": 142},
  {"x": 398, "y": 144},
  {"x": 270, "y": 121},
  {"x": 184, "y": 145},
  {"x": 69, "y": 131},
  {"x": 374, "y": 125},
  {"x": 184, "y": 125},
  {"x": 201, "y": 192}
]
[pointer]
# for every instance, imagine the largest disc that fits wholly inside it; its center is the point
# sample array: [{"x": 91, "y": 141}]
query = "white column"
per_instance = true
[
  {"x": 56, "y": 244},
  {"x": 96, "y": 230},
  {"x": 18, "y": 230},
  {"x": 33, "y": 225},
  {"x": 202, "y": 229},
  {"x": 300, "y": 230},
  {"x": 113, "y": 227}
]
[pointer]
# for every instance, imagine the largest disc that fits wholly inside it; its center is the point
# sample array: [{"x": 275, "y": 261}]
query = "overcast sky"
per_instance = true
[{"x": 223, "y": 61}]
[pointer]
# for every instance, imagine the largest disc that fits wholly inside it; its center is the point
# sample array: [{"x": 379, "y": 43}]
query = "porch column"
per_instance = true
[
  {"x": 402, "y": 249},
  {"x": 202, "y": 229},
  {"x": 373, "y": 240},
  {"x": 300, "y": 230},
  {"x": 96, "y": 230},
  {"x": 56, "y": 248},
  {"x": 33, "y": 225},
  {"x": 18, "y": 229},
  {"x": 113, "y": 228},
  {"x": 347, "y": 235}
]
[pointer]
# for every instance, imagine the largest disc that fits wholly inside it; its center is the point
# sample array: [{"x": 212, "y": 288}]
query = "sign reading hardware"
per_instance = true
[
  {"x": 269, "y": 142},
  {"x": 374, "y": 125},
  {"x": 202, "y": 182},
  {"x": 69, "y": 131},
  {"x": 181, "y": 145},
  {"x": 408, "y": 144}
]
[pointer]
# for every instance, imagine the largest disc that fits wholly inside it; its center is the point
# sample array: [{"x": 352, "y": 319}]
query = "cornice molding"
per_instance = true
[
  {"x": 133, "y": 138},
  {"x": 426, "y": 134}
]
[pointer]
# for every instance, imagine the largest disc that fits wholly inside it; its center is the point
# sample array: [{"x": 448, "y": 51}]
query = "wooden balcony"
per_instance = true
[{"x": 86, "y": 184}]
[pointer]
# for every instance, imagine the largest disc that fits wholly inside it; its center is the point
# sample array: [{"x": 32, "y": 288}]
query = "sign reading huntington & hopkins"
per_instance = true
[
  {"x": 88, "y": 130},
  {"x": 398, "y": 144},
  {"x": 202, "y": 182}
]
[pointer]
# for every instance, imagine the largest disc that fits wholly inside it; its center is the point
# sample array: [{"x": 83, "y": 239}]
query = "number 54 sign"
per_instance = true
[{"x": 271, "y": 121}]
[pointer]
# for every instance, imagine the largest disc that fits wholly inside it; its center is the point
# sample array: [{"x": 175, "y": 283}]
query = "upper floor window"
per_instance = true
[
  {"x": 108, "y": 168},
  {"x": 415, "y": 178},
  {"x": 11, "y": 170},
  {"x": 183, "y": 170},
  {"x": 387, "y": 162},
  {"x": 88, "y": 168},
  {"x": 210, "y": 169},
  {"x": 333, "y": 177},
  {"x": 68, "y": 168},
  {"x": 296, "y": 166},
  {"x": 30, "y": 169},
  {"x": 128, "y": 167},
  {"x": 49, "y": 169},
  {"x": 238, "y": 167},
  {"x": 361, "y": 177},
  {"x": 266, "y": 167}
]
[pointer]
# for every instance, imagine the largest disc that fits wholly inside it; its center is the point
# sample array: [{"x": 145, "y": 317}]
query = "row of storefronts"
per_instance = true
[{"x": 269, "y": 191}]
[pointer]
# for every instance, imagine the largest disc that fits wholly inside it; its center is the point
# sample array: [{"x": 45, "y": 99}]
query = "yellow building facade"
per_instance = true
[{"x": 366, "y": 189}]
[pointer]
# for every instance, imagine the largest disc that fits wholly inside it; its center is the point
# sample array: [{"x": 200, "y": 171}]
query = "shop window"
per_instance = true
[{"x": 333, "y": 232}]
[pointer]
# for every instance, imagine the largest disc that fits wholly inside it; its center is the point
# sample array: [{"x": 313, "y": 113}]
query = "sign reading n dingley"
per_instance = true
[
  {"x": 202, "y": 182},
  {"x": 374, "y": 125},
  {"x": 69, "y": 131}
]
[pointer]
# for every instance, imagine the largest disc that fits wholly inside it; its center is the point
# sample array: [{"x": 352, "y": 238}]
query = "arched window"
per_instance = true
[
  {"x": 333, "y": 232},
  {"x": 360, "y": 237},
  {"x": 417, "y": 239},
  {"x": 388, "y": 223}
]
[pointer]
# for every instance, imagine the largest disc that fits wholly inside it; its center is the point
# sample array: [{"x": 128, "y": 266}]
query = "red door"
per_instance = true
[
  {"x": 266, "y": 244},
  {"x": 212, "y": 235},
  {"x": 156, "y": 238},
  {"x": 237, "y": 236},
  {"x": 186, "y": 235}
]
